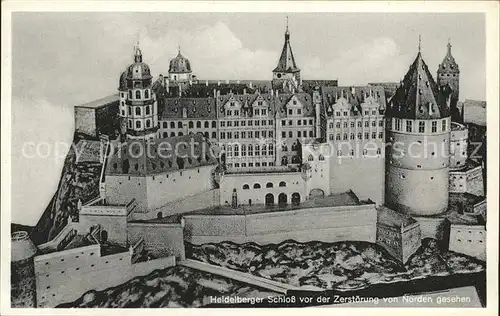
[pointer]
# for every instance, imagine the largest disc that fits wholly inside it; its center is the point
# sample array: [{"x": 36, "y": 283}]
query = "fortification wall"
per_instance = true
[
  {"x": 121, "y": 189},
  {"x": 434, "y": 227},
  {"x": 365, "y": 176},
  {"x": 115, "y": 226},
  {"x": 165, "y": 188},
  {"x": 161, "y": 240},
  {"x": 293, "y": 184},
  {"x": 469, "y": 240},
  {"x": 191, "y": 203},
  {"x": 55, "y": 287},
  {"x": 470, "y": 181},
  {"x": 85, "y": 121},
  {"x": 328, "y": 224}
]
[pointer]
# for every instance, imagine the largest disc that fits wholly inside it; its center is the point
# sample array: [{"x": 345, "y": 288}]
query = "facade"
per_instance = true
[
  {"x": 355, "y": 129},
  {"x": 418, "y": 127},
  {"x": 398, "y": 233},
  {"x": 469, "y": 240},
  {"x": 138, "y": 106}
]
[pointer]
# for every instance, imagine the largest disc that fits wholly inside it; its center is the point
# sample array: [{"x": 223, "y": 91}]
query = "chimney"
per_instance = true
[
  {"x": 227, "y": 81},
  {"x": 206, "y": 83},
  {"x": 215, "y": 93},
  {"x": 218, "y": 83},
  {"x": 251, "y": 85},
  {"x": 190, "y": 82},
  {"x": 238, "y": 81},
  {"x": 244, "y": 91},
  {"x": 168, "y": 85}
]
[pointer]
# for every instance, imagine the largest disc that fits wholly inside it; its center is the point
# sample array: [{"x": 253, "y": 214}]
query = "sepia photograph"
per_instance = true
[{"x": 169, "y": 159}]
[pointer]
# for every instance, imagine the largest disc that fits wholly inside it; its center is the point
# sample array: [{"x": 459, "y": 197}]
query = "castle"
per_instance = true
[{"x": 206, "y": 161}]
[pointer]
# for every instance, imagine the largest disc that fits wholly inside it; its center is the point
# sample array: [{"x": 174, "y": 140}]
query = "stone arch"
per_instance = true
[
  {"x": 295, "y": 198},
  {"x": 269, "y": 199},
  {"x": 317, "y": 193},
  {"x": 282, "y": 199}
]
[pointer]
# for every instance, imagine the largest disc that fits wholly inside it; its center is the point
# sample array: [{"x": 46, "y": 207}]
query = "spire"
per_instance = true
[
  {"x": 419, "y": 96},
  {"x": 448, "y": 65},
  {"x": 419, "y": 42},
  {"x": 178, "y": 49},
  {"x": 286, "y": 63},
  {"x": 137, "y": 53},
  {"x": 449, "y": 46}
]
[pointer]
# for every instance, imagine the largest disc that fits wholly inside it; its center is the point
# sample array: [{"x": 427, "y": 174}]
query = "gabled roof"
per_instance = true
[
  {"x": 354, "y": 96},
  {"x": 286, "y": 63},
  {"x": 199, "y": 108},
  {"x": 418, "y": 96}
]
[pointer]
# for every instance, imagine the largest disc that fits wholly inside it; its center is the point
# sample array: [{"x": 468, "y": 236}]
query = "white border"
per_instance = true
[{"x": 490, "y": 8}]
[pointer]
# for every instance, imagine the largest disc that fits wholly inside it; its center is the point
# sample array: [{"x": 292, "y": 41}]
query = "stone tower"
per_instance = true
[
  {"x": 448, "y": 74},
  {"x": 179, "y": 68},
  {"x": 23, "y": 285},
  {"x": 418, "y": 130},
  {"x": 138, "y": 106},
  {"x": 286, "y": 75}
]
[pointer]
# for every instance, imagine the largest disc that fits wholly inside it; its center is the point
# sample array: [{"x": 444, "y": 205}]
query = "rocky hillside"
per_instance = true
[
  {"x": 79, "y": 181},
  {"x": 172, "y": 287},
  {"x": 343, "y": 266}
]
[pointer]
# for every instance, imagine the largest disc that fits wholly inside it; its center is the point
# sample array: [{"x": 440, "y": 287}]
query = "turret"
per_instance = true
[
  {"x": 286, "y": 72},
  {"x": 23, "y": 285}
]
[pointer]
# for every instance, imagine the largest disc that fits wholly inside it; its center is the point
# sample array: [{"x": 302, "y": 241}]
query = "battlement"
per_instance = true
[{"x": 99, "y": 206}]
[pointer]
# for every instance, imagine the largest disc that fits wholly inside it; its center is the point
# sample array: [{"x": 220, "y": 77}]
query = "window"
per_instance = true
[
  {"x": 381, "y": 123},
  {"x": 339, "y": 152},
  {"x": 380, "y": 135},
  {"x": 257, "y": 123},
  {"x": 250, "y": 123},
  {"x": 283, "y": 122},
  {"x": 360, "y": 136},
  {"x": 269, "y": 185},
  {"x": 310, "y": 122},
  {"x": 311, "y": 134},
  {"x": 379, "y": 151},
  {"x": 352, "y": 124},
  {"x": 257, "y": 150},
  {"x": 148, "y": 110},
  {"x": 137, "y": 110},
  {"x": 237, "y": 112},
  {"x": 257, "y": 134},
  {"x": 344, "y": 137},
  {"x": 359, "y": 124},
  {"x": 330, "y": 137},
  {"x": 434, "y": 126},
  {"x": 345, "y": 113},
  {"x": 179, "y": 125},
  {"x": 243, "y": 134},
  {"x": 257, "y": 112},
  {"x": 191, "y": 125},
  {"x": 198, "y": 124},
  {"x": 256, "y": 186},
  {"x": 337, "y": 113},
  {"x": 250, "y": 150},
  {"x": 345, "y": 124},
  {"x": 243, "y": 150},
  {"x": 130, "y": 94},
  {"x": 367, "y": 112},
  {"x": 337, "y": 125},
  {"x": 321, "y": 158},
  {"x": 421, "y": 127},
  {"x": 271, "y": 134},
  {"x": 138, "y": 124},
  {"x": 310, "y": 158},
  {"x": 222, "y": 135},
  {"x": 214, "y": 124},
  {"x": 374, "y": 135},
  {"x": 290, "y": 112},
  {"x": 409, "y": 126},
  {"x": 229, "y": 123},
  {"x": 367, "y": 124},
  {"x": 282, "y": 184},
  {"x": 299, "y": 134},
  {"x": 398, "y": 124},
  {"x": 271, "y": 122},
  {"x": 138, "y": 94},
  {"x": 236, "y": 135},
  {"x": 337, "y": 137},
  {"x": 129, "y": 123},
  {"x": 222, "y": 124},
  {"x": 290, "y": 134},
  {"x": 236, "y": 150},
  {"x": 246, "y": 187},
  {"x": 271, "y": 150},
  {"x": 443, "y": 126},
  {"x": 146, "y": 94},
  {"x": 148, "y": 123},
  {"x": 352, "y": 136},
  {"x": 374, "y": 123},
  {"x": 263, "y": 111},
  {"x": 243, "y": 123},
  {"x": 263, "y": 122}
]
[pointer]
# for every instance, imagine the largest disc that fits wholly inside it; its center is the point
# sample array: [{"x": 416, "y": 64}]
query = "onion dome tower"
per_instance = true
[
  {"x": 286, "y": 72},
  {"x": 418, "y": 129},
  {"x": 23, "y": 285},
  {"x": 448, "y": 74},
  {"x": 138, "y": 106},
  {"x": 179, "y": 69}
]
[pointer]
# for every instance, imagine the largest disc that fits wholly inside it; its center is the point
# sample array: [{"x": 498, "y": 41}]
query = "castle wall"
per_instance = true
[
  {"x": 188, "y": 204},
  {"x": 411, "y": 236},
  {"x": 458, "y": 146},
  {"x": 293, "y": 181},
  {"x": 469, "y": 240},
  {"x": 363, "y": 175},
  {"x": 120, "y": 189},
  {"x": 161, "y": 240},
  {"x": 327, "y": 224},
  {"x": 83, "y": 269},
  {"x": 168, "y": 187},
  {"x": 85, "y": 121},
  {"x": 106, "y": 119},
  {"x": 469, "y": 180},
  {"x": 389, "y": 237},
  {"x": 115, "y": 226},
  {"x": 434, "y": 227}
]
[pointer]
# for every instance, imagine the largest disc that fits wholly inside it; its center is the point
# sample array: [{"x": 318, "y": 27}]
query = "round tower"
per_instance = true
[
  {"x": 138, "y": 106},
  {"x": 23, "y": 286},
  {"x": 418, "y": 129}
]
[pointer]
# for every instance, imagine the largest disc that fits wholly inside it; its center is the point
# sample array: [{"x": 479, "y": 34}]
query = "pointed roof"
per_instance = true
[
  {"x": 286, "y": 63},
  {"x": 418, "y": 96},
  {"x": 449, "y": 64}
]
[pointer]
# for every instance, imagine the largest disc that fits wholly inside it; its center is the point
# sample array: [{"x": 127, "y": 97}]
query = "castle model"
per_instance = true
[{"x": 264, "y": 162}]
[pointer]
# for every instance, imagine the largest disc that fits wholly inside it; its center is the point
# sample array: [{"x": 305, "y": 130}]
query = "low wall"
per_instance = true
[
  {"x": 161, "y": 240},
  {"x": 327, "y": 224},
  {"x": 63, "y": 288}
]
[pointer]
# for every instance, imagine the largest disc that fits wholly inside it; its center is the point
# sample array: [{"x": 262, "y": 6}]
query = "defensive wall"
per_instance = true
[
  {"x": 327, "y": 224},
  {"x": 468, "y": 179},
  {"x": 160, "y": 239},
  {"x": 469, "y": 240}
]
